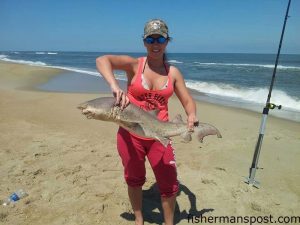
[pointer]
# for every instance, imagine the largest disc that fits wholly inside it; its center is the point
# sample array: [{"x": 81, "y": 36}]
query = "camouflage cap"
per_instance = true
[{"x": 156, "y": 26}]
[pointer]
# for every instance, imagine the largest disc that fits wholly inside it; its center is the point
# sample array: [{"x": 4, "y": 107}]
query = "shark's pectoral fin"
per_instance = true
[
  {"x": 163, "y": 140},
  {"x": 186, "y": 136}
]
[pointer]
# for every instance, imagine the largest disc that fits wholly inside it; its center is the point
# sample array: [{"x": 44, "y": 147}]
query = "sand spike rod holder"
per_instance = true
[{"x": 250, "y": 180}]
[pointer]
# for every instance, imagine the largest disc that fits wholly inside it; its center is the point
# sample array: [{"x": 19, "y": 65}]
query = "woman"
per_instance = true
[{"x": 151, "y": 81}]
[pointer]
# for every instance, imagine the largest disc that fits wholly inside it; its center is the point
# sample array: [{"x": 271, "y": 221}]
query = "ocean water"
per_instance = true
[{"x": 238, "y": 80}]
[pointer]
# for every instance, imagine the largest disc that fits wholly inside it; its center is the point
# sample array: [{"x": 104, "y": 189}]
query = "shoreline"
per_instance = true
[
  {"x": 70, "y": 168},
  {"x": 30, "y": 79}
]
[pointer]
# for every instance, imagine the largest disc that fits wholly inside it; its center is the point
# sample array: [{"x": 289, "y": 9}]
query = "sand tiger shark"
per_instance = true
[{"x": 143, "y": 123}]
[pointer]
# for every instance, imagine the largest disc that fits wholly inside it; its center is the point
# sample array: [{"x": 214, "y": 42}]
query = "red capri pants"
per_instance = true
[{"x": 133, "y": 151}]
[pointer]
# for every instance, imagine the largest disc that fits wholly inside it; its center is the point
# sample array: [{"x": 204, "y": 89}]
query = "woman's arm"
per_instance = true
[
  {"x": 185, "y": 98},
  {"x": 107, "y": 64}
]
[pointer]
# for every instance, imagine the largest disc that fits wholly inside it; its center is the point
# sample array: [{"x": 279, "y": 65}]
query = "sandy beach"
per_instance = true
[{"x": 71, "y": 170}]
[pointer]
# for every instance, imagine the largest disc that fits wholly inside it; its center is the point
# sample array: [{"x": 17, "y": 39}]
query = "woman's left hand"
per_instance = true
[{"x": 191, "y": 122}]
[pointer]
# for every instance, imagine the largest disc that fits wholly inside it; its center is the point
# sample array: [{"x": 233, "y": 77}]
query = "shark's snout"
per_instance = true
[
  {"x": 82, "y": 106},
  {"x": 85, "y": 110}
]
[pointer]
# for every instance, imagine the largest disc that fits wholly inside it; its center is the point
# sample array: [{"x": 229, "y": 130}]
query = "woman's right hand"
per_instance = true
[{"x": 121, "y": 98}]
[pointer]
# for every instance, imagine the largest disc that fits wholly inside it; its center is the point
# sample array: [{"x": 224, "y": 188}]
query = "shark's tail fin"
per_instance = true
[
  {"x": 201, "y": 130},
  {"x": 205, "y": 129}
]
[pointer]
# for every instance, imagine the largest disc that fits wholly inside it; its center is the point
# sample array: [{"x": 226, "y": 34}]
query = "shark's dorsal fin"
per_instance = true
[{"x": 177, "y": 119}]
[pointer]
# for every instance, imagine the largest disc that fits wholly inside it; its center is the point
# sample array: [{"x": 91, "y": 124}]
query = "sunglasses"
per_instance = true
[{"x": 152, "y": 40}]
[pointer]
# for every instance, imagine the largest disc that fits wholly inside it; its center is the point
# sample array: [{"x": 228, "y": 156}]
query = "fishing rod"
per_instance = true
[{"x": 250, "y": 180}]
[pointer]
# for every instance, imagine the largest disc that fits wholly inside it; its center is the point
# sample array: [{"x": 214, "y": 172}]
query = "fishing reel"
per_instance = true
[{"x": 273, "y": 106}]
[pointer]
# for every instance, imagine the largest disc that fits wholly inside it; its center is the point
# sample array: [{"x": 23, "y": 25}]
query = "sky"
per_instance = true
[{"x": 201, "y": 26}]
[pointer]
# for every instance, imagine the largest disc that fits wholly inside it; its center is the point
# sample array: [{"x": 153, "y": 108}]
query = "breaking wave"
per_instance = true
[
  {"x": 174, "y": 61},
  {"x": 281, "y": 67},
  {"x": 254, "y": 95},
  {"x": 32, "y": 63},
  {"x": 44, "y": 53}
]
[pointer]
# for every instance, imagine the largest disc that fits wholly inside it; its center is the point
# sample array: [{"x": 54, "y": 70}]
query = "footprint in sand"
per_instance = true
[
  {"x": 3, "y": 216},
  {"x": 43, "y": 146},
  {"x": 77, "y": 169},
  {"x": 36, "y": 155},
  {"x": 220, "y": 169},
  {"x": 39, "y": 154},
  {"x": 67, "y": 172},
  {"x": 256, "y": 207},
  {"x": 80, "y": 180},
  {"x": 38, "y": 172},
  {"x": 104, "y": 206},
  {"x": 207, "y": 181},
  {"x": 75, "y": 146},
  {"x": 235, "y": 192}
]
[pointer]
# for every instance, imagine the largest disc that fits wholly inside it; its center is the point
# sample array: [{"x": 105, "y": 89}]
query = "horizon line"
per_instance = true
[{"x": 145, "y": 52}]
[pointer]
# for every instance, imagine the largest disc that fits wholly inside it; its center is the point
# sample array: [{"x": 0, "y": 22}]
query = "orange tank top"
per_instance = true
[{"x": 150, "y": 99}]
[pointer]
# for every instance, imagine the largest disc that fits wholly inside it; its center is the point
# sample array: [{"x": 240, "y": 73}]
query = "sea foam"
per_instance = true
[
  {"x": 39, "y": 63},
  {"x": 32, "y": 63},
  {"x": 118, "y": 75},
  {"x": 281, "y": 67},
  {"x": 254, "y": 95},
  {"x": 174, "y": 61}
]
